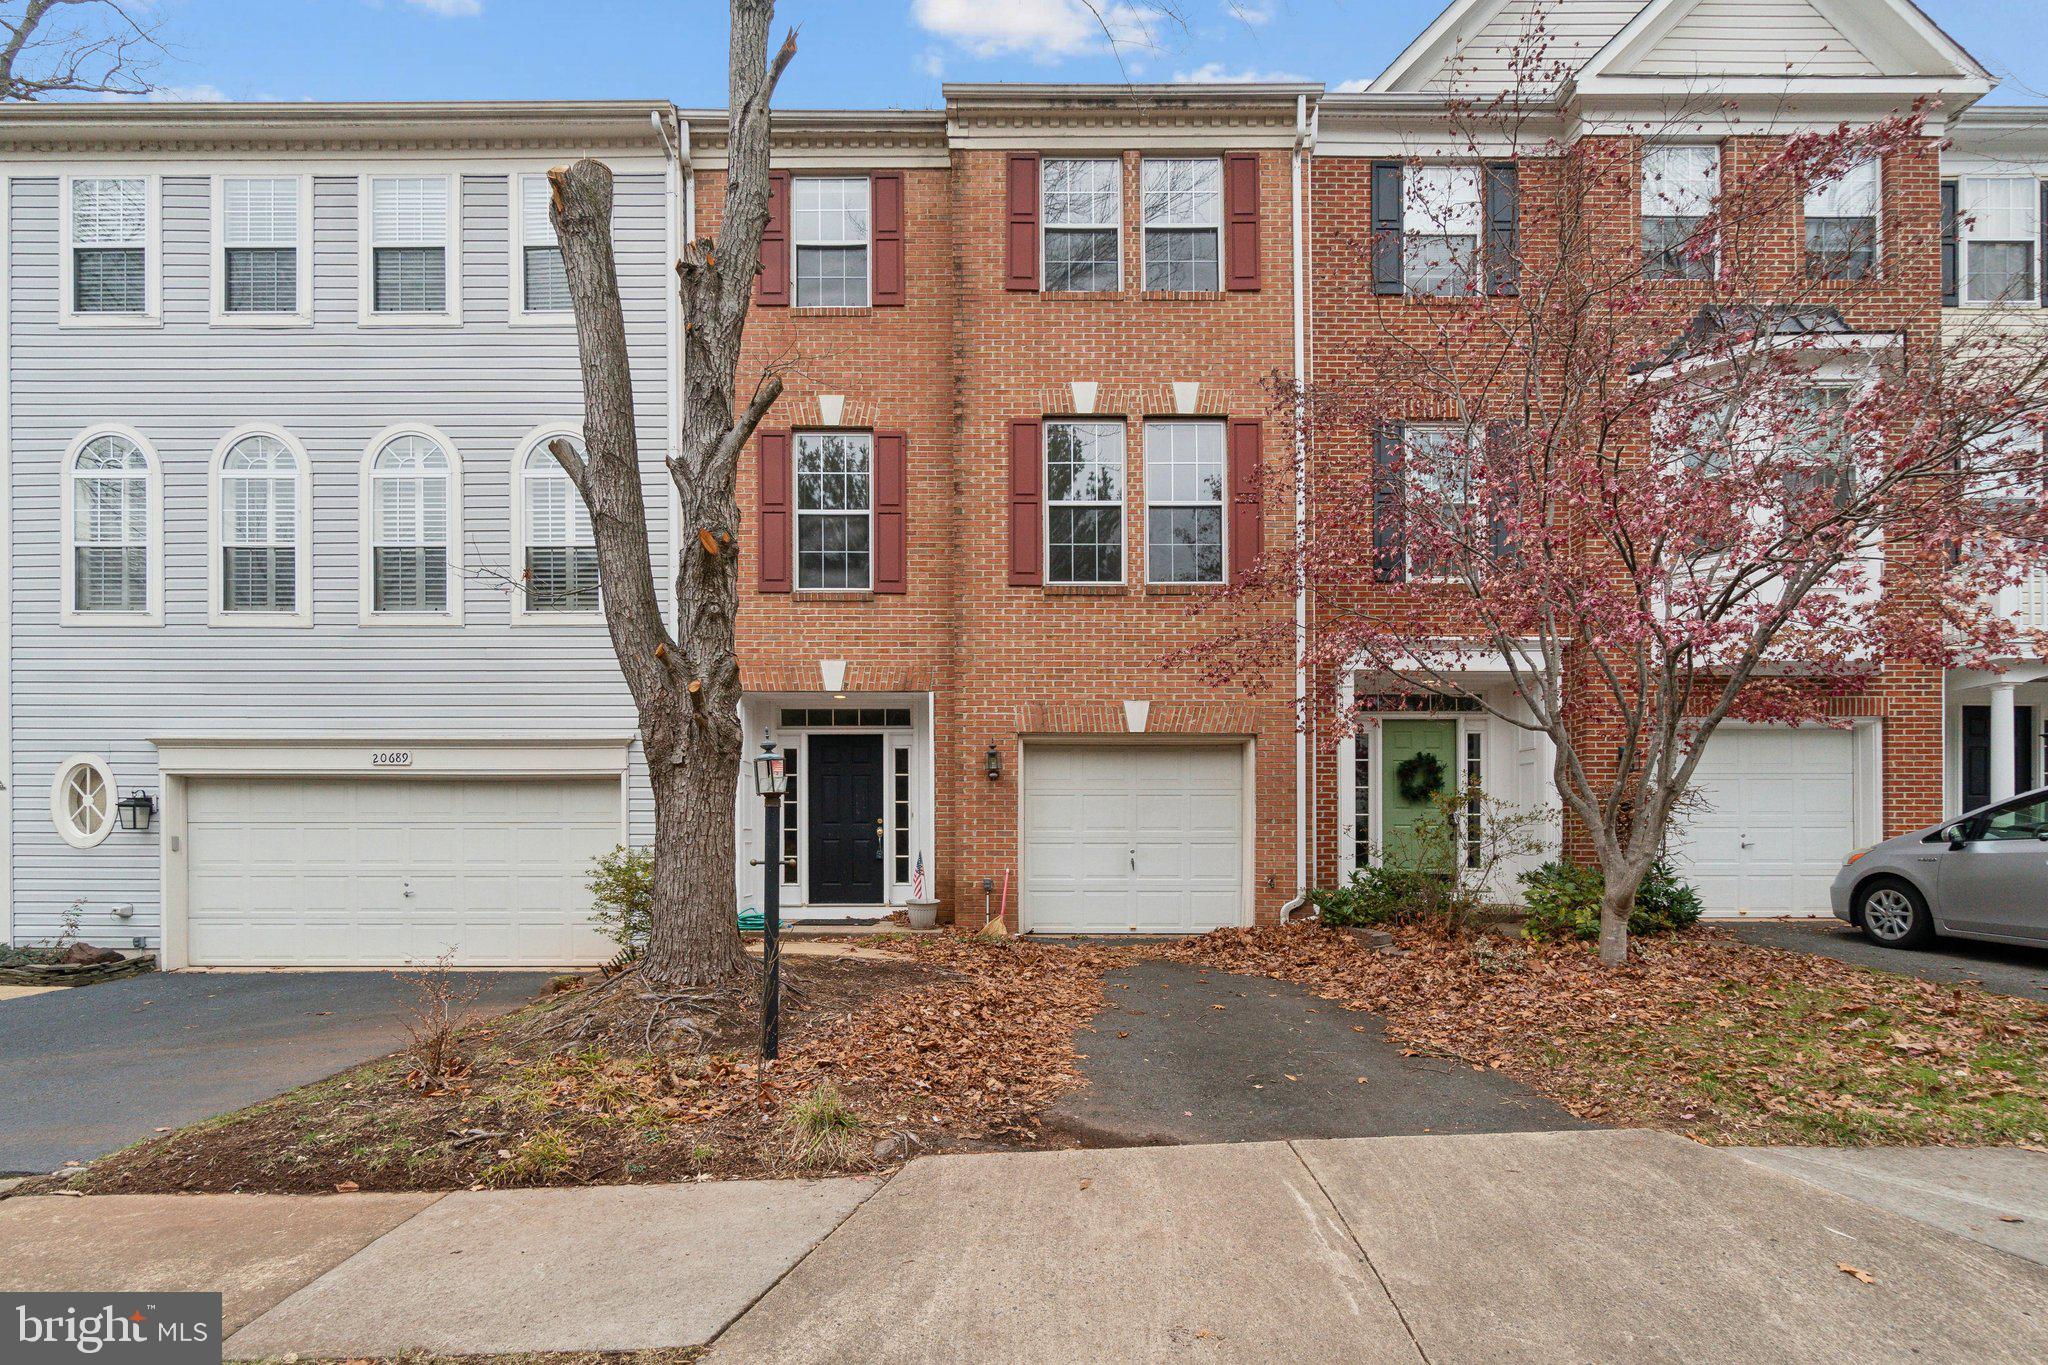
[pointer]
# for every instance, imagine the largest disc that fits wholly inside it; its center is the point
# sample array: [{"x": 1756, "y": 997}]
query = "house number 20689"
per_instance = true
[{"x": 391, "y": 758}]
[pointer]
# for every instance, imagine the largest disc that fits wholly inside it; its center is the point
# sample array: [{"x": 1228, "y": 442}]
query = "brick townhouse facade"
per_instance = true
[{"x": 1036, "y": 348}]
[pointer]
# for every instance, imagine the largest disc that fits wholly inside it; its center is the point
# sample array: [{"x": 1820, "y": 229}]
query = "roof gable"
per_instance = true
[
  {"x": 1473, "y": 44},
  {"x": 1785, "y": 39}
]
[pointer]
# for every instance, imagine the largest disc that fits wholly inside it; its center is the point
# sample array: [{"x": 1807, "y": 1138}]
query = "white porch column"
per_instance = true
[{"x": 2002, "y": 740}]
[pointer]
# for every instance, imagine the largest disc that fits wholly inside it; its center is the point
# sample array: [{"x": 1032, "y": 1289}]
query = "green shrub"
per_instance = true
[
  {"x": 1563, "y": 901},
  {"x": 622, "y": 885},
  {"x": 1379, "y": 895}
]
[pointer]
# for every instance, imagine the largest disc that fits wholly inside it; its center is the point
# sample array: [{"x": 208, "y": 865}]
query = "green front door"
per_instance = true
[{"x": 1409, "y": 745}]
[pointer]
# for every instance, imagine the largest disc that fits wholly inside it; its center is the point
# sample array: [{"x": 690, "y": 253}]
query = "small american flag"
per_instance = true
[{"x": 917, "y": 879}]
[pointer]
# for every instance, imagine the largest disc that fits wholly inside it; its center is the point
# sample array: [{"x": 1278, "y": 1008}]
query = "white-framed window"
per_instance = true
[
  {"x": 829, "y": 217},
  {"x": 411, "y": 534},
  {"x": 1681, "y": 185},
  {"x": 558, "y": 548},
  {"x": 1437, "y": 479},
  {"x": 834, "y": 510},
  {"x": 82, "y": 800},
  {"x": 1083, "y": 217},
  {"x": 1842, "y": 223},
  {"x": 1473, "y": 787},
  {"x": 261, "y": 569},
  {"x": 262, "y": 230},
  {"x": 1084, "y": 501},
  {"x": 2006, "y": 466},
  {"x": 540, "y": 285},
  {"x": 1818, "y": 451},
  {"x": 2000, "y": 233},
  {"x": 113, "y": 520},
  {"x": 411, "y": 263},
  {"x": 1184, "y": 477},
  {"x": 1440, "y": 222},
  {"x": 1183, "y": 212},
  {"x": 112, "y": 273}
]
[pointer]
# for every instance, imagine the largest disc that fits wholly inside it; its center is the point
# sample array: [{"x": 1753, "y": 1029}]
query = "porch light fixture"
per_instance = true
[
  {"x": 770, "y": 779},
  {"x": 995, "y": 763},
  {"x": 137, "y": 810}
]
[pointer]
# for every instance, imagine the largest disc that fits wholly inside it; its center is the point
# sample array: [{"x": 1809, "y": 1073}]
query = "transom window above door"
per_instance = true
[
  {"x": 259, "y": 527},
  {"x": 829, "y": 222},
  {"x": 411, "y": 500},
  {"x": 1084, "y": 502},
  {"x": 834, "y": 510},
  {"x": 1083, "y": 216}
]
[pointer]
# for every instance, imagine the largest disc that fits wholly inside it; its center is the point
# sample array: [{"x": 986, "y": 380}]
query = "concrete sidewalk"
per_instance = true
[{"x": 1625, "y": 1245}]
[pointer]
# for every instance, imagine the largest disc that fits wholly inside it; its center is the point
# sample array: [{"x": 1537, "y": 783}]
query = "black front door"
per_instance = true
[
  {"x": 845, "y": 794},
  {"x": 1977, "y": 753}
]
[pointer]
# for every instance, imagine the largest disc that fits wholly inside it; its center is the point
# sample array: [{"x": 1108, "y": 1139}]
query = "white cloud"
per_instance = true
[
  {"x": 449, "y": 9},
  {"x": 932, "y": 62},
  {"x": 1363, "y": 83},
  {"x": 1045, "y": 29},
  {"x": 189, "y": 94},
  {"x": 1254, "y": 12},
  {"x": 1214, "y": 73}
]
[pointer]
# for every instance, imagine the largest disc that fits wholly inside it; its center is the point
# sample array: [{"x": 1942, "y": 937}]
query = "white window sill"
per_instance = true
[
  {"x": 410, "y": 319},
  {"x": 557, "y": 618},
  {"x": 261, "y": 321},
  {"x": 410, "y": 620},
  {"x": 94, "y": 321},
  {"x": 89, "y": 619},
  {"x": 260, "y": 620},
  {"x": 519, "y": 318}
]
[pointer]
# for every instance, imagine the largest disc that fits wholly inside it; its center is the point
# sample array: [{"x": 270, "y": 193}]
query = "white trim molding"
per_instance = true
[
  {"x": 217, "y": 248},
  {"x": 522, "y": 614},
  {"x": 450, "y": 315},
  {"x": 152, "y": 314},
  {"x": 70, "y": 767}
]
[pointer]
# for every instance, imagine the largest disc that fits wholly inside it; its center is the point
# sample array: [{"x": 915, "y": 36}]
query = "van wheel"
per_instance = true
[{"x": 1894, "y": 913}]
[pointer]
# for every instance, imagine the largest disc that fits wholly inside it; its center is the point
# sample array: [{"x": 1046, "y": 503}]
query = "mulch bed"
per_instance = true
[{"x": 954, "y": 1042}]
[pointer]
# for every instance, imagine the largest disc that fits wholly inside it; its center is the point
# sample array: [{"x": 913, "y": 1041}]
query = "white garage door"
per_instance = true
[
  {"x": 346, "y": 872},
  {"x": 1778, "y": 815},
  {"x": 1133, "y": 838}
]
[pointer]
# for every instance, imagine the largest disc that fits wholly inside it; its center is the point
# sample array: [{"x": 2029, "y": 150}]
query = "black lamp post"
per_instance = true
[{"x": 771, "y": 780}]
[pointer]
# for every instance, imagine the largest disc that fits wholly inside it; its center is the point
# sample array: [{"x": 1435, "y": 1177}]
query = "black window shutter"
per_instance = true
[
  {"x": 1389, "y": 536},
  {"x": 1504, "y": 468},
  {"x": 1386, "y": 227},
  {"x": 1950, "y": 253},
  {"x": 1503, "y": 229}
]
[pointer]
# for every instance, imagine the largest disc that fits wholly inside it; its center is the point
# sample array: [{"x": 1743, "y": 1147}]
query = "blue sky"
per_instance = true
[{"x": 854, "y": 53}]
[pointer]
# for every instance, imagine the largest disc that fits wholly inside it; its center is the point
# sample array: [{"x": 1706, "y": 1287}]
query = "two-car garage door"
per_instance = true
[
  {"x": 1133, "y": 838},
  {"x": 378, "y": 871}
]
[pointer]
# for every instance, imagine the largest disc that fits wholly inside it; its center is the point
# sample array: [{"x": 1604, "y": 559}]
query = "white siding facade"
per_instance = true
[{"x": 331, "y": 384}]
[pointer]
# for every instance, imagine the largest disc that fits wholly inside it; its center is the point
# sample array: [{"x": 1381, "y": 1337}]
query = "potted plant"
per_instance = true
[{"x": 923, "y": 911}]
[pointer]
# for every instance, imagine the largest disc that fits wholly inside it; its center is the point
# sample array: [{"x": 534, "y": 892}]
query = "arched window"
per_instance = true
[
  {"x": 412, "y": 506},
  {"x": 111, "y": 517},
  {"x": 260, "y": 526},
  {"x": 561, "y": 550}
]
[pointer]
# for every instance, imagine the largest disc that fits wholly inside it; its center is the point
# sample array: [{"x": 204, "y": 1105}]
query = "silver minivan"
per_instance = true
[{"x": 1982, "y": 876}]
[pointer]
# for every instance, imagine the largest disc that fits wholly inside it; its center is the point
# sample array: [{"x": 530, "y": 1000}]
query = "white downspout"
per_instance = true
[{"x": 1304, "y": 833}]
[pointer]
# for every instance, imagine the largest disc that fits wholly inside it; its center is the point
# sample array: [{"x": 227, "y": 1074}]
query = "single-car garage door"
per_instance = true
[
  {"x": 382, "y": 872},
  {"x": 1133, "y": 838},
  {"x": 1776, "y": 816}
]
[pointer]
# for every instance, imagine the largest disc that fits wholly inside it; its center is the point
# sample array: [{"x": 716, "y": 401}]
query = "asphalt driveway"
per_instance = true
[
  {"x": 1185, "y": 1054},
  {"x": 89, "y": 1070},
  {"x": 2000, "y": 968}
]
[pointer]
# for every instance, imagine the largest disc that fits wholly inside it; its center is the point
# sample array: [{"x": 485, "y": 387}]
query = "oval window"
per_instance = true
[{"x": 82, "y": 801}]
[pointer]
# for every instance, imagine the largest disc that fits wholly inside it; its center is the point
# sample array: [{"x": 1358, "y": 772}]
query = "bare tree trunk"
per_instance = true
[
  {"x": 686, "y": 687},
  {"x": 1617, "y": 901}
]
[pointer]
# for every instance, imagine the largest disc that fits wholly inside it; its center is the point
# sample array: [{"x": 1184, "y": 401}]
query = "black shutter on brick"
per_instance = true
[
  {"x": 1503, "y": 229},
  {"x": 1386, "y": 227},
  {"x": 1950, "y": 252},
  {"x": 1389, "y": 536}
]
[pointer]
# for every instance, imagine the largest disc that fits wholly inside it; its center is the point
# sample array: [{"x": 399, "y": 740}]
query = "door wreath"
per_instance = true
[{"x": 1419, "y": 777}]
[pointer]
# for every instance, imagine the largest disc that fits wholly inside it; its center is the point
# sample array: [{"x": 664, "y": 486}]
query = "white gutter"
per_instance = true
[{"x": 1304, "y": 833}]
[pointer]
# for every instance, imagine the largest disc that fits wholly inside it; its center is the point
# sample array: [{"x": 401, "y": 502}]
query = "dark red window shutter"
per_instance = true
[
  {"x": 1020, "y": 213},
  {"x": 771, "y": 448},
  {"x": 1027, "y": 464},
  {"x": 885, "y": 203},
  {"x": 1241, "y": 220},
  {"x": 1247, "y": 495},
  {"x": 771, "y": 286},
  {"x": 892, "y": 539}
]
